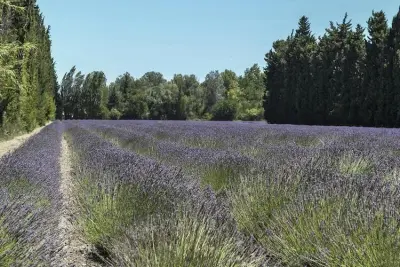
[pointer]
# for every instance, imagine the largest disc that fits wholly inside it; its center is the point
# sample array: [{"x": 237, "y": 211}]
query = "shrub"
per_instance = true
[
  {"x": 252, "y": 114},
  {"x": 115, "y": 114},
  {"x": 224, "y": 110}
]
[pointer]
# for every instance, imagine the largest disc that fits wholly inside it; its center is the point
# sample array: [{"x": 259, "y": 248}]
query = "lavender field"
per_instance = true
[{"x": 177, "y": 193}]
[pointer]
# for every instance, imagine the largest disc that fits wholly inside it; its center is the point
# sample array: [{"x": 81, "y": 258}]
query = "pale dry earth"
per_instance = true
[{"x": 73, "y": 251}]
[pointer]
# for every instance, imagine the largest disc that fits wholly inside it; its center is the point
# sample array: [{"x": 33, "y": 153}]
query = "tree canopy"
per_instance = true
[
  {"x": 28, "y": 81},
  {"x": 154, "y": 97},
  {"x": 345, "y": 77}
]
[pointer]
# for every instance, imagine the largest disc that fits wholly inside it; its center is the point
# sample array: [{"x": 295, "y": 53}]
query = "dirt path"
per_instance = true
[
  {"x": 74, "y": 250},
  {"x": 11, "y": 145}
]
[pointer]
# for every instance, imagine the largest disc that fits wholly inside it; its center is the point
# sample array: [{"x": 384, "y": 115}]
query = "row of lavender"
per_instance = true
[
  {"x": 353, "y": 151},
  {"x": 30, "y": 200},
  {"x": 323, "y": 196},
  {"x": 136, "y": 211},
  {"x": 269, "y": 143},
  {"x": 211, "y": 165},
  {"x": 243, "y": 134}
]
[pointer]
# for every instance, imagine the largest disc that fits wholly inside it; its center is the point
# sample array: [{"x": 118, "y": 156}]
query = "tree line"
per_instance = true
[
  {"x": 221, "y": 96},
  {"x": 348, "y": 76},
  {"x": 28, "y": 81},
  {"x": 341, "y": 78}
]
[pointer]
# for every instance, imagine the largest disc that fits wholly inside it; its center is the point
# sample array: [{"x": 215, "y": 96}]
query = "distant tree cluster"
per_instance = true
[
  {"x": 341, "y": 78},
  {"x": 28, "y": 80},
  {"x": 221, "y": 96}
]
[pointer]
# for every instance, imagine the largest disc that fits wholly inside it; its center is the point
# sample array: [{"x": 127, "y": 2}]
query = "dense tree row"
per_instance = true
[
  {"x": 28, "y": 81},
  {"x": 221, "y": 96},
  {"x": 340, "y": 78}
]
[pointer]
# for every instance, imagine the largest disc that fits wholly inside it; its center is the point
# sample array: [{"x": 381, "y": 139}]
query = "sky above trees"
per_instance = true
[{"x": 180, "y": 36}]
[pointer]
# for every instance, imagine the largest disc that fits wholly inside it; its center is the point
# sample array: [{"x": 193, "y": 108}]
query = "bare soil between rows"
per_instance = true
[{"x": 73, "y": 251}]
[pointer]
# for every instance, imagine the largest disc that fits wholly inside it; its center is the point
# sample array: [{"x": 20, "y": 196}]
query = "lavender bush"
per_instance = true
[
  {"x": 215, "y": 167},
  {"x": 119, "y": 191},
  {"x": 153, "y": 193},
  {"x": 29, "y": 200},
  {"x": 321, "y": 196}
]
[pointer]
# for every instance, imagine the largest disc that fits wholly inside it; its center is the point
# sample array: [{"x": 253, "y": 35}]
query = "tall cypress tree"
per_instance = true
[
  {"x": 340, "y": 77},
  {"x": 304, "y": 48},
  {"x": 290, "y": 83},
  {"x": 355, "y": 63},
  {"x": 322, "y": 72},
  {"x": 352, "y": 81},
  {"x": 274, "y": 82},
  {"x": 392, "y": 74},
  {"x": 329, "y": 69},
  {"x": 373, "y": 107},
  {"x": 29, "y": 95}
]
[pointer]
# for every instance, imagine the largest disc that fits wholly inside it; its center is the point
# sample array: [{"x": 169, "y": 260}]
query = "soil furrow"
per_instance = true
[{"x": 74, "y": 250}]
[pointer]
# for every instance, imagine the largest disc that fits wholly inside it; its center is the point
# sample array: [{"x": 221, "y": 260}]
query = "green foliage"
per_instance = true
[
  {"x": 254, "y": 200},
  {"x": 230, "y": 80},
  {"x": 184, "y": 240},
  {"x": 329, "y": 230},
  {"x": 252, "y": 114},
  {"x": 352, "y": 166},
  {"x": 162, "y": 100},
  {"x": 153, "y": 97},
  {"x": 115, "y": 114},
  {"x": 343, "y": 79},
  {"x": 320, "y": 234},
  {"x": 8, "y": 245},
  {"x": 252, "y": 93},
  {"x": 108, "y": 210},
  {"x": 27, "y": 73},
  {"x": 225, "y": 110},
  {"x": 22, "y": 186},
  {"x": 274, "y": 82},
  {"x": 220, "y": 177},
  {"x": 214, "y": 89}
]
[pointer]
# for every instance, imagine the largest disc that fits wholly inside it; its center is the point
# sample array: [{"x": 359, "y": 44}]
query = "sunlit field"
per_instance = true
[{"x": 175, "y": 193}]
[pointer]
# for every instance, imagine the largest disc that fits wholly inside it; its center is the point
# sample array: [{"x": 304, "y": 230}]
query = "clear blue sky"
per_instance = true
[{"x": 184, "y": 36}]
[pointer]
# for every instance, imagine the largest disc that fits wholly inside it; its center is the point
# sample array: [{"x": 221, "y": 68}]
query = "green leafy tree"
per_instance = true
[
  {"x": 92, "y": 93},
  {"x": 252, "y": 87},
  {"x": 214, "y": 89},
  {"x": 162, "y": 100},
  {"x": 186, "y": 84},
  {"x": 225, "y": 110},
  {"x": 71, "y": 95},
  {"x": 152, "y": 78},
  {"x": 115, "y": 100},
  {"x": 230, "y": 80},
  {"x": 121, "y": 91}
]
